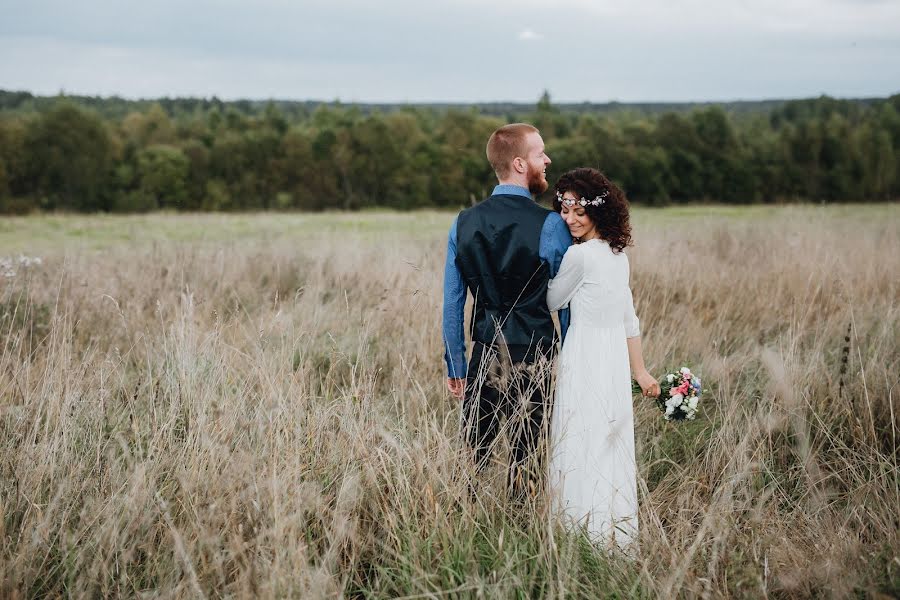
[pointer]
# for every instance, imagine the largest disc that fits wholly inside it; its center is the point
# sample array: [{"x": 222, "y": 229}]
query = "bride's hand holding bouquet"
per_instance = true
[
  {"x": 677, "y": 396},
  {"x": 649, "y": 386}
]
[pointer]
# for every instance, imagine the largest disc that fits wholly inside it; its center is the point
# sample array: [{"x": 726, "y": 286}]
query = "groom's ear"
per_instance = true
[{"x": 519, "y": 165}]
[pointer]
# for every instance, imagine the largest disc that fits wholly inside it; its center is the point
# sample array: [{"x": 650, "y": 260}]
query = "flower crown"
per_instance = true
[{"x": 582, "y": 201}]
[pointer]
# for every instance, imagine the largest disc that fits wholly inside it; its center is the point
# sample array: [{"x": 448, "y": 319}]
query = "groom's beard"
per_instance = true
[{"x": 537, "y": 184}]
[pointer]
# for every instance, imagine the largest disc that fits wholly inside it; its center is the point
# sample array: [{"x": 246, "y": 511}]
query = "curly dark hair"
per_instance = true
[{"x": 611, "y": 217}]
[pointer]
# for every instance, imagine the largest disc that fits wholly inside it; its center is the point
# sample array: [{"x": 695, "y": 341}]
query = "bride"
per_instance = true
[{"x": 592, "y": 467}]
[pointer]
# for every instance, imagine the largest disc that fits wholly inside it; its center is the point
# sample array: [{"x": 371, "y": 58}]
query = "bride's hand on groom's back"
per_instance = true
[{"x": 649, "y": 385}]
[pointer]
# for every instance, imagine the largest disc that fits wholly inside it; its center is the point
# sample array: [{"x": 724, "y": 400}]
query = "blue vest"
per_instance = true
[{"x": 498, "y": 255}]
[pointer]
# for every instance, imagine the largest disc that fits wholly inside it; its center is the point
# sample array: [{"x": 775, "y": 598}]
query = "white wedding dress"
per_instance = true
[{"x": 593, "y": 472}]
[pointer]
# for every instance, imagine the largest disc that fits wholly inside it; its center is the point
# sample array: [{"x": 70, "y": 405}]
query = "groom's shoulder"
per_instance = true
[
  {"x": 554, "y": 221},
  {"x": 553, "y": 216},
  {"x": 502, "y": 206},
  {"x": 544, "y": 210}
]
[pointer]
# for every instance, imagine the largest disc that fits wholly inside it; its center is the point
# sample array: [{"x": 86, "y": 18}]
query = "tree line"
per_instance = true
[{"x": 81, "y": 154}]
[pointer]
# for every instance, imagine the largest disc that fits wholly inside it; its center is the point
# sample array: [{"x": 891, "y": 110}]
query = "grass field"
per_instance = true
[{"x": 254, "y": 405}]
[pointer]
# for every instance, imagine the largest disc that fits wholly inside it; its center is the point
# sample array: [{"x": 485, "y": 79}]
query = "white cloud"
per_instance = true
[{"x": 527, "y": 35}]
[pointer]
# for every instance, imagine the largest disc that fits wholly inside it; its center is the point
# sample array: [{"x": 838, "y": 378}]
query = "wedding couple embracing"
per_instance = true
[{"x": 521, "y": 262}]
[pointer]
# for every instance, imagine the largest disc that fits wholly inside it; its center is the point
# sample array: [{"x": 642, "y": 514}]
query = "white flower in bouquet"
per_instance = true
[{"x": 680, "y": 394}]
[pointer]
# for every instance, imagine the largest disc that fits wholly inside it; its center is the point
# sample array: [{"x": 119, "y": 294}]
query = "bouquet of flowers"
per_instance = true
[{"x": 679, "y": 395}]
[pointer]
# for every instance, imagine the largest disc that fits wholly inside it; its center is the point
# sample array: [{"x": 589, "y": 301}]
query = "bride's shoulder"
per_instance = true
[
  {"x": 578, "y": 250},
  {"x": 621, "y": 256},
  {"x": 598, "y": 246},
  {"x": 603, "y": 253}
]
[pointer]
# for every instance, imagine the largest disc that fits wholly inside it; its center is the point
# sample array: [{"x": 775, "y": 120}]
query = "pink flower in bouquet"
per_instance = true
[{"x": 682, "y": 400}]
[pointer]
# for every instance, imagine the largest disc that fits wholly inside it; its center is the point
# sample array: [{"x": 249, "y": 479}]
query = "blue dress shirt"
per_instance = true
[{"x": 555, "y": 240}]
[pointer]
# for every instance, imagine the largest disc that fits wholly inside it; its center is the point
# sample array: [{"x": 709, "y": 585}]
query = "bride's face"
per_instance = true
[{"x": 580, "y": 224}]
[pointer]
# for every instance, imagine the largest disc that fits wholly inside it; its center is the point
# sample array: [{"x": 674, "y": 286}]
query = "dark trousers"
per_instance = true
[{"x": 508, "y": 392}]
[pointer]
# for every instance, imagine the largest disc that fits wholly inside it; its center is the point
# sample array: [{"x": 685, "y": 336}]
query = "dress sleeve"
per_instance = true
[
  {"x": 567, "y": 280},
  {"x": 632, "y": 323}
]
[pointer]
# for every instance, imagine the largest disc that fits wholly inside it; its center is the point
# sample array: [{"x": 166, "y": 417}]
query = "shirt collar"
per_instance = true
[{"x": 511, "y": 190}]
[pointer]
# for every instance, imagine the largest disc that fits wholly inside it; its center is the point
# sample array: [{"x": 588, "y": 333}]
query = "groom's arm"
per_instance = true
[
  {"x": 454, "y": 313},
  {"x": 555, "y": 240}
]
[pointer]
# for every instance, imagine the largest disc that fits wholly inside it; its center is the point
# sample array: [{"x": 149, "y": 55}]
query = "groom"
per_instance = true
[{"x": 504, "y": 251}]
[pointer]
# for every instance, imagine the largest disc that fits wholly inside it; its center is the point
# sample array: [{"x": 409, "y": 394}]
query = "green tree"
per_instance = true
[
  {"x": 647, "y": 176},
  {"x": 69, "y": 157},
  {"x": 681, "y": 140},
  {"x": 274, "y": 119},
  {"x": 162, "y": 174},
  {"x": 880, "y": 166},
  {"x": 460, "y": 162},
  {"x": 15, "y": 195},
  {"x": 197, "y": 154},
  {"x": 717, "y": 148}
]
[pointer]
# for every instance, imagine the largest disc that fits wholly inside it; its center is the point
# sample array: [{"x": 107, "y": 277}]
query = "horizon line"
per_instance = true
[{"x": 63, "y": 93}]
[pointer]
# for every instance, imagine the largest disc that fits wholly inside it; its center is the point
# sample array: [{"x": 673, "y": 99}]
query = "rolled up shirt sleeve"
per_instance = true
[
  {"x": 555, "y": 240},
  {"x": 454, "y": 312}
]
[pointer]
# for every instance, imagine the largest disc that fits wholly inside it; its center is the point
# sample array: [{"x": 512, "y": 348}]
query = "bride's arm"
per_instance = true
[
  {"x": 569, "y": 278},
  {"x": 648, "y": 384},
  {"x": 632, "y": 323}
]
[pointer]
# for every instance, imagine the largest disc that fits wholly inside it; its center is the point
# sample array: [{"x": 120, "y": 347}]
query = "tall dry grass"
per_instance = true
[{"x": 267, "y": 417}]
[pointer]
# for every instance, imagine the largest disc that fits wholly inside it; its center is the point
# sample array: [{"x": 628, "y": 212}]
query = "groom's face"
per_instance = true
[{"x": 536, "y": 160}]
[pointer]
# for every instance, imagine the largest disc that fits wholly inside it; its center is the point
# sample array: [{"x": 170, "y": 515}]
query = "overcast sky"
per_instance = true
[{"x": 453, "y": 50}]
